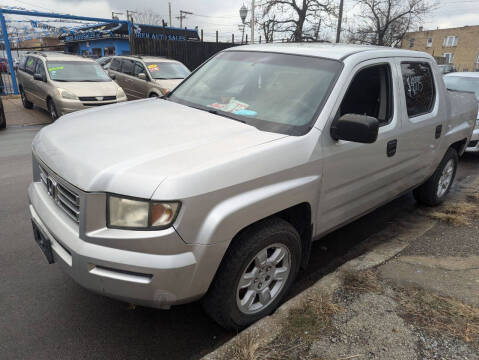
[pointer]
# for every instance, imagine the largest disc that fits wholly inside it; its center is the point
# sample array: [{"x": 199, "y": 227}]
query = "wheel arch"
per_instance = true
[{"x": 459, "y": 146}]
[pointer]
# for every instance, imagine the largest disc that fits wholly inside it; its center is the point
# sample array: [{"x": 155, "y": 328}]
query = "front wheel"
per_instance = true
[
  {"x": 434, "y": 191},
  {"x": 255, "y": 274},
  {"x": 52, "y": 109}
]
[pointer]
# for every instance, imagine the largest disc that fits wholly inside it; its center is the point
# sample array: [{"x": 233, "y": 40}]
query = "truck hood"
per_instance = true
[
  {"x": 101, "y": 88},
  {"x": 130, "y": 148}
]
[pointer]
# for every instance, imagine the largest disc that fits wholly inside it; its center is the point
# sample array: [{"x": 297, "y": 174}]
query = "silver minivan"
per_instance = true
[
  {"x": 147, "y": 76},
  {"x": 61, "y": 83}
]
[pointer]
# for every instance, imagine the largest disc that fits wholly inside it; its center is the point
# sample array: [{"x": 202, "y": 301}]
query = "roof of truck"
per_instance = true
[{"x": 331, "y": 51}]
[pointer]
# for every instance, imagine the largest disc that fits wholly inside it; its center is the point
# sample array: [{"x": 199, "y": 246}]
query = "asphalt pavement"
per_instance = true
[{"x": 45, "y": 315}]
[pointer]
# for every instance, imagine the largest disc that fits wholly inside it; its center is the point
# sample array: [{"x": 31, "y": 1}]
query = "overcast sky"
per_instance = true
[{"x": 222, "y": 15}]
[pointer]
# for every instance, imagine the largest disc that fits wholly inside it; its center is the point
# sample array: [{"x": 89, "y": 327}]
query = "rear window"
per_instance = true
[
  {"x": 22, "y": 62},
  {"x": 418, "y": 87},
  {"x": 115, "y": 65}
]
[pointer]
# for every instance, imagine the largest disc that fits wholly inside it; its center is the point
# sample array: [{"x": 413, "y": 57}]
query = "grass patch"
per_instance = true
[
  {"x": 247, "y": 347},
  {"x": 458, "y": 213},
  {"x": 362, "y": 281},
  {"x": 440, "y": 314}
]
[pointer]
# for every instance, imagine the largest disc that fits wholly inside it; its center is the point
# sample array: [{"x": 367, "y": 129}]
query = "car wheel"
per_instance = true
[
  {"x": 52, "y": 109},
  {"x": 434, "y": 191},
  {"x": 26, "y": 104},
  {"x": 255, "y": 274}
]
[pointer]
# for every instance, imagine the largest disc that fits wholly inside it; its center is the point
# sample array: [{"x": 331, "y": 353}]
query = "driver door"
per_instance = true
[{"x": 359, "y": 177}]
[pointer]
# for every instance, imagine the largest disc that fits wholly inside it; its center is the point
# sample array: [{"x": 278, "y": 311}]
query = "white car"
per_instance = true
[{"x": 466, "y": 81}]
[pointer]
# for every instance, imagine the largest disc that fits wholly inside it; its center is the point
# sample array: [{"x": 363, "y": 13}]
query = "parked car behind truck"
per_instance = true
[
  {"x": 466, "y": 81},
  {"x": 218, "y": 190},
  {"x": 147, "y": 76},
  {"x": 61, "y": 83}
]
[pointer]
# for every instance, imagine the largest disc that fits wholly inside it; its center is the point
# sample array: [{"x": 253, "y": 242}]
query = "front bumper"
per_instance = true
[
  {"x": 65, "y": 106},
  {"x": 473, "y": 145},
  {"x": 180, "y": 275}
]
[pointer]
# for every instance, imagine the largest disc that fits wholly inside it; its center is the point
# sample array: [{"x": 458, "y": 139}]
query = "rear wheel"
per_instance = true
[
  {"x": 255, "y": 274},
  {"x": 434, "y": 191},
  {"x": 52, "y": 109},
  {"x": 26, "y": 104}
]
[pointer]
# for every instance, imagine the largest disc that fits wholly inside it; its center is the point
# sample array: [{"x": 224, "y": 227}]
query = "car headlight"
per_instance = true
[
  {"x": 66, "y": 94},
  {"x": 127, "y": 213},
  {"x": 120, "y": 93},
  {"x": 164, "y": 91}
]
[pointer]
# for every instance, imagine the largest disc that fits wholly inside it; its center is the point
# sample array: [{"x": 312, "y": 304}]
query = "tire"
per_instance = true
[
  {"x": 52, "y": 110},
  {"x": 435, "y": 189},
  {"x": 224, "y": 300},
  {"x": 26, "y": 104}
]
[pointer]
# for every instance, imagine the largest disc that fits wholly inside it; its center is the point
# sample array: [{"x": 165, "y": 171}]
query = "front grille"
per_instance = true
[
  {"x": 97, "y": 98},
  {"x": 99, "y": 104},
  {"x": 64, "y": 196}
]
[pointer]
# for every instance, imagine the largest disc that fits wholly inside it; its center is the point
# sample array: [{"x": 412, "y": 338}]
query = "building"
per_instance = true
[
  {"x": 112, "y": 39},
  {"x": 458, "y": 46},
  {"x": 38, "y": 44}
]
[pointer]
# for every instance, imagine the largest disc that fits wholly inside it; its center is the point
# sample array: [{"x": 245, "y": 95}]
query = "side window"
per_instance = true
[
  {"x": 128, "y": 67},
  {"x": 370, "y": 93},
  {"x": 419, "y": 87},
  {"x": 139, "y": 68},
  {"x": 22, "y": 63},
  {"x": 30, "y": 64},
  {"x": 40, "y": 69},
  {"x": 115, "y": 65}
]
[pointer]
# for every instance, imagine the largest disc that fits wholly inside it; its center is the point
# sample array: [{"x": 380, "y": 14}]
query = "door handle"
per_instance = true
[
  {"x": 391, "y": 147},
  {"x": 438, "y": 131}
]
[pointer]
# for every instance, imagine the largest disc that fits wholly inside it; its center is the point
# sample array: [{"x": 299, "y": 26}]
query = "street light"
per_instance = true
[{"x": 243, "y": 13}]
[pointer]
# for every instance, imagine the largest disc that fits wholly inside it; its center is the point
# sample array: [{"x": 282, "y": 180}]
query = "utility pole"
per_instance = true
[
  {"x": 340, "y": 20},
  {"x": 114, "y": 15},
  {"x": 183, "y": 16},
  {"x": 252, "y": 21},
  {"x": 169, "y": 13}
]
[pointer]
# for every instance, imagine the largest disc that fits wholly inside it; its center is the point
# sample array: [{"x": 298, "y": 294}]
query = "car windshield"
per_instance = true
[
  {"x": 273, "y": 92},
  {"x": 167, "y": 70},
  {"x": 76, "y": 71},
  {"x": 462, "y": 83}
]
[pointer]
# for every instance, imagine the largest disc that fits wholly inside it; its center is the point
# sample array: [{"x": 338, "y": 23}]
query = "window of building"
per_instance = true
[
  {"x": 429, "y": 42},
  {"x": 450, "y": 41},
  {"x": 418, "y": 87},
  {"x": 449, "y": 57},
  {"x": 411, "y": 42},
  {"x": 370, "y": 93},
  {"x": 477, "y": 59}
]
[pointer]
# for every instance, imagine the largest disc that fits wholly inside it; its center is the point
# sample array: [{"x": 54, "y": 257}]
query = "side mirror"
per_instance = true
[
  {"x": 356, "y": 128},
  {"x": 39, "y": 77},
  {"x": 142, "y": 76},
  {"x": 112, "y": 76}
]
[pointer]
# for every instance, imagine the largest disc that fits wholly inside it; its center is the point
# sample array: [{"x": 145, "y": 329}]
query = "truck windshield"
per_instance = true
[
  {"x": 76, "y": 71},
  {"x": 462, "y": 83},
  {"x": 271, "y": 91},
  {"x": 167, "y": 70}
]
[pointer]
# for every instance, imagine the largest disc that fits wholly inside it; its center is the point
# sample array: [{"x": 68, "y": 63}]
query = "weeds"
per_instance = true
[
  {"x": 362, "y": 281},
  {"x": 459, "y": 213}
]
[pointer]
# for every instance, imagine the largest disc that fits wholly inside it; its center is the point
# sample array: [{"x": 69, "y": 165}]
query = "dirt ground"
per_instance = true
[{"x": 421, "y": 304}]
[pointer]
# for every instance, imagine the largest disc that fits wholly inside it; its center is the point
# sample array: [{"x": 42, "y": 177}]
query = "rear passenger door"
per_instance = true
[
  {"x": 358, "y": 177},
  {"x": 139, "y": 86},
  {"x": 423, "y": 123},
  {"x": 115, "y": 69},
  {"x": 27, "y": 82},
  {"x": 128, "y": 71}
]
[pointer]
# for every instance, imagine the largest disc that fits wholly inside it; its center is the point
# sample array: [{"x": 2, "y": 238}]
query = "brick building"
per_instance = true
[{"x": 458, "y": 46}]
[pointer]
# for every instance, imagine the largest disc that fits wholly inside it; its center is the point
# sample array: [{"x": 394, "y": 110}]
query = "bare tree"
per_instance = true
[
  {"x": 385, "y": 22},
  {"x": 300, "y": 19},
  {"x": 268, "y": 26},
  {"x": 147, "y": 17}
]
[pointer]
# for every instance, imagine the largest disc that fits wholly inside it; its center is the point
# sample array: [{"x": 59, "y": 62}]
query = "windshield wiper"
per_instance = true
[{"x": 211, "y": 111}]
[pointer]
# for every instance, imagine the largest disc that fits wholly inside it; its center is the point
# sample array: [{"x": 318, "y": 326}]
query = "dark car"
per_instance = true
[{"x": 4, "y": 65}]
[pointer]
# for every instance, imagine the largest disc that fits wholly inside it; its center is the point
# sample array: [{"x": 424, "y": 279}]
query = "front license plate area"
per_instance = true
[{"x": 44, "y": 243}]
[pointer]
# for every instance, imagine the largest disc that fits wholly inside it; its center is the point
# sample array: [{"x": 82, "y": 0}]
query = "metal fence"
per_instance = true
[{"x": 190, "y": 53}]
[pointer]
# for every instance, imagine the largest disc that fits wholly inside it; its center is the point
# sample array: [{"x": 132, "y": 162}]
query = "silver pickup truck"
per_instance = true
[{"x": 217, "y": 190}]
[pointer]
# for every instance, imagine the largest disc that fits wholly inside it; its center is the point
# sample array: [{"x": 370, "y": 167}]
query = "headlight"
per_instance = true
[
  {"x": 120, "y": 93},
  {"x": 140, "y": 214},
  {"x": 66, "y": 94},
  {"x": 164, "y": 91}
]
